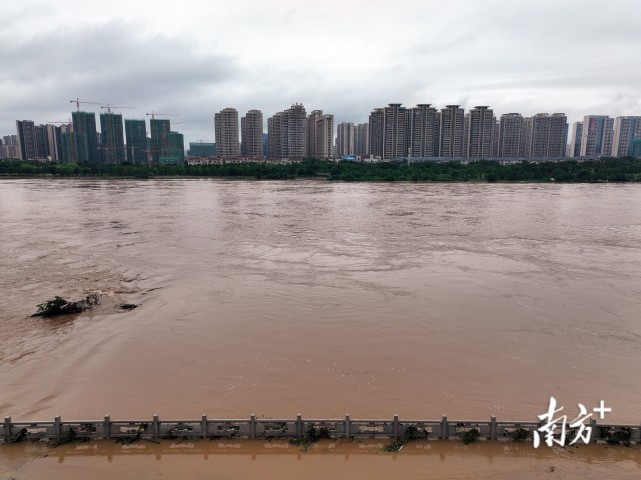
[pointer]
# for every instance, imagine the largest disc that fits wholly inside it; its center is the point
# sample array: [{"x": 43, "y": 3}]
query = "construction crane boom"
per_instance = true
[
  {"x": 153, "y": 114},
  {"x": 77, "y": 101},
  {"x": 109, "y": 107}
]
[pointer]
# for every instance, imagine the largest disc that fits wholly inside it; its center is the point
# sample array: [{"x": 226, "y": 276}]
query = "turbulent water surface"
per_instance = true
[{"x": 317, "y": 298}]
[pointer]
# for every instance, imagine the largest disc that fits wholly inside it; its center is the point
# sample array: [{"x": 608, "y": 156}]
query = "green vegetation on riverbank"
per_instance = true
[{"x": 624, "y": 169}]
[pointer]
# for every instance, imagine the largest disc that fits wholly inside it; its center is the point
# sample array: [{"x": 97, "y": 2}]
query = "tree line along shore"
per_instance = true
[{"x": 623, "y": 169}]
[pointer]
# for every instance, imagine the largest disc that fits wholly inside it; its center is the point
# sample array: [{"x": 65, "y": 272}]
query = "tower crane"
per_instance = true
[
  {"x": 109, "y": 107},
  {"x": 153, "y": 114},
  {"x": 77, "y": 101}
]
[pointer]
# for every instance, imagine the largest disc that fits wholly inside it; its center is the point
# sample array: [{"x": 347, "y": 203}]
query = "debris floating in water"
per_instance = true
[
  {"x": 60, "y": 306},
  {"x": 127, "y": 306}
]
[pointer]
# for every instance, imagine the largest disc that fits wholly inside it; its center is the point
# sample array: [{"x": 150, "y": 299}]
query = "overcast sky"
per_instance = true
[{"x": 345, "y": 57}]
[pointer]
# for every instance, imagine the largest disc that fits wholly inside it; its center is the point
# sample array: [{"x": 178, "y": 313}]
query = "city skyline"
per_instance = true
[
  {"x": 210, "y": 135},
  {"x": 394, "y": 131},
  {"x": 527, "y": 57}
]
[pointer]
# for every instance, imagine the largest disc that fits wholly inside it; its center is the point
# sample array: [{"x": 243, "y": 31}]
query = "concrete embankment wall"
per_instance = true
[{"x": 156, "y": 428}]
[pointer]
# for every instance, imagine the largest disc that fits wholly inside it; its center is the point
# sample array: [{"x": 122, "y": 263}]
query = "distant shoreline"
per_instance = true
[{"x": 624, "y": 170}]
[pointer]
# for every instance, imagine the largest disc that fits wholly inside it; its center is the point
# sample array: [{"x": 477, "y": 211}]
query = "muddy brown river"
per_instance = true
[{"x": 319, "y": 298}]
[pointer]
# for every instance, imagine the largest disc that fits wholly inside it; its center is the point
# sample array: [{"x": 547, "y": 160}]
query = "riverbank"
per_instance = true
[{"x": 624, "y": 169}]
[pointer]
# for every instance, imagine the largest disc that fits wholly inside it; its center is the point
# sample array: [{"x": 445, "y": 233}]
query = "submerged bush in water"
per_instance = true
[{"x": 60, "y": 306}]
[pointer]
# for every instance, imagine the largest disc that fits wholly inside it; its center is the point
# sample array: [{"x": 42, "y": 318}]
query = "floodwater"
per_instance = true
[
  {"x": 339, "y": 460},
  {"x": 319, "y": 298}
]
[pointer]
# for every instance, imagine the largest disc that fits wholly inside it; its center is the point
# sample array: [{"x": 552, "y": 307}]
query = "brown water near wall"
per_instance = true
[
  {"x": 278, "y": 298},
  {"x": 240, "y": 460}
]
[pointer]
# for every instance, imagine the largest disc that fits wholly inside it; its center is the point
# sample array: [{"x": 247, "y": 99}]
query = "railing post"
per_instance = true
[
  {"x": 252, "y": 426},
  {"x": 348, "y": 426},
  {"x": 203, "y": 423},
  {"x": 57, "y": 424},
  {"x": 107, "y": 426},
  {"x": 299, "y": 426},
  {"x": 395, "y": 427},
  {"x": 155, "y": 427},
  {"x": 7, "y": 429},
  {"x": 492, "y": 427},
  {"x": 444, "y": 432}
]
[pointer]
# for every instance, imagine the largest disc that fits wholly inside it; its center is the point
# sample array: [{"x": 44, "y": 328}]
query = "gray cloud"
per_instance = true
[
  {"x": 107, "y": 63},
  {"x": 575, "y": 56}
]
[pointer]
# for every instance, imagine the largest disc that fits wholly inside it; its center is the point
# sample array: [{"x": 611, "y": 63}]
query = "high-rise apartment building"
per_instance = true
[
  {"x": 136, "y": 138},
  {"x": 626, "y": 129},
  {"x": 252, "y": 134},
  {"x": 451, "y": 131},
  {"x": 596, "y": 136},
  {"x": 42, "y": 147},
  {"x": 84, "y": 130},
  {"x": 26, "y": 136},
  {"x": 175, "y": 148},
  {"x": 510, "y": 131},
  {"x": 346, "y": 139},
  {"x": 9, "y": 147},
  {"x": 113, "y": 139},
  {"x": 275, "y": 135},
  {"x": 423, "y": 130},
  {"x": 287, "y": 133},
  {"x": 544, "y": 135},
  {"x": 361, "y": 140},
  {"x": 388, "y": 132},
  {"x": 324, "y": 137},
  {"x": 575, "y": 142},
  {"x": 226, "y": 130},
  {"x": 539, "y": 135},
  {"x": 10, "y": 140},
  {"x": 558, "y": 136},
  {"x": 526, "y": 137},
  {"x": 395, "y": 132},
  {"x": 160, "y": 129},
  {"x": 376, "y": 129},
  {"x": 310, "y": 133},
  {"x": 295, "y": 117},
  {"x": 54, "y": 143},
  {"x": 202, "y": 149},
  {"x": 480, "y": 133},
  {"x": 9, "y": 151},
  {"x": 74, "y": 146}
]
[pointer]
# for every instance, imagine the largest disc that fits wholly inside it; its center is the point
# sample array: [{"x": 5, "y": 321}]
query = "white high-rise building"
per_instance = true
[
  {"x": 226, "y": 130},
  {"x": 286, "y": 132},
  {"x": 251, "y": 126}
]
